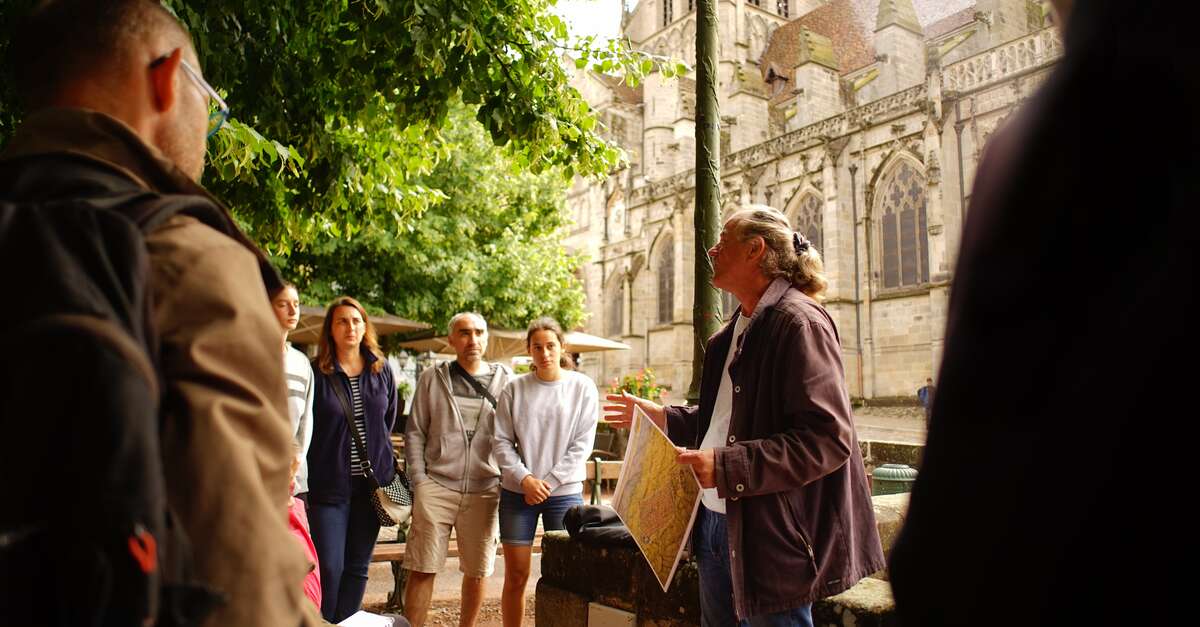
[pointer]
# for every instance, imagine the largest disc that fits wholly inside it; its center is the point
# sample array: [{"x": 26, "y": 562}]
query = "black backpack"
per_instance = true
[{"x": 85, "y": 533}]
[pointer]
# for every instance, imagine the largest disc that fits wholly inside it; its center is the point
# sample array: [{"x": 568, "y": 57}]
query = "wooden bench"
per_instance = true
[
  {"x": 598, "y": 471},
  {"x": 393, "y": 552}
]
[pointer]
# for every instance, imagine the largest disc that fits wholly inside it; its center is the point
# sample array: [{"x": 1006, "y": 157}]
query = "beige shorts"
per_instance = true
[{"x": 474, "y": 518}]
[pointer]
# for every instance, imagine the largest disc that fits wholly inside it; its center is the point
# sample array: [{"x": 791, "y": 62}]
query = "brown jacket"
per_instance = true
[
  {"x": 226, "y": 444},
  {"x": 801, "y": 525}
]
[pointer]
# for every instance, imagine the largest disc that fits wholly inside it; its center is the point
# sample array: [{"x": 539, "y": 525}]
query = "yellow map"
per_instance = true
[{"x": 656, "y": 497}]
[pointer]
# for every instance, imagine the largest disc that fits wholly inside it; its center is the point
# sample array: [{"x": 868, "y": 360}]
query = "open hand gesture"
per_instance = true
[{"x": 619, "y": 410}]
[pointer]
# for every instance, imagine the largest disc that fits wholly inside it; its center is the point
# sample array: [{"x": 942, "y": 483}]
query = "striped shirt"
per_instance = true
[{"x": 357, "y": 465}]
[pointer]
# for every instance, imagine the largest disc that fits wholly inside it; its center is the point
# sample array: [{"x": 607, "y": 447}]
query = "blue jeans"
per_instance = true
[
  {"x": 518, "y": 521},
  {"x": 344, "y": 536},
  {"x": 711, "y": 544}
]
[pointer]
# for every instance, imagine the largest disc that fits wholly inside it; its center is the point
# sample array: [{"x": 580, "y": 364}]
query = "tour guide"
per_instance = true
[{"x": 786, "y": 517}]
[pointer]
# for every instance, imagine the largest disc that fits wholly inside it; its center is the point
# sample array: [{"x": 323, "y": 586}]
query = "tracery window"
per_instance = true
[
  {"x": 904, "y": 237},
  {"x": 667, "y": 11},
  {"x": 666, "y": 279},
  {"x": 616, "y": 309},
  {"x": 810, "y": 221}
]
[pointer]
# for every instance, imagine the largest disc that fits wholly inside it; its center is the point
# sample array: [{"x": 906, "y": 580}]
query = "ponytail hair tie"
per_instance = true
[{"x": 799, "y": 243}]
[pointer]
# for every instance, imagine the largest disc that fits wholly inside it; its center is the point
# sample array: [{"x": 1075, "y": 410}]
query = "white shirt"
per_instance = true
[
  {"x": 718, "y": 428},
  {"x": 300, "y": 402}
]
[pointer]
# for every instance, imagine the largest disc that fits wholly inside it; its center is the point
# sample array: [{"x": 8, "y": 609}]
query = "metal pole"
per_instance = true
[{"x": 706, "y": 313}]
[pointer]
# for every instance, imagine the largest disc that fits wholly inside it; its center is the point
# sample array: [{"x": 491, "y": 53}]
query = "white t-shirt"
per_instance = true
[
  {"x": 300, "y": 402},
  {"x": 718, "y": 428}
]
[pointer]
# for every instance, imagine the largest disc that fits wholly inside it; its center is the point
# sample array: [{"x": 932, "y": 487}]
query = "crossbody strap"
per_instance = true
[
  {"x": 355, "y": 436},
  {"x": 457, "y": 369}
]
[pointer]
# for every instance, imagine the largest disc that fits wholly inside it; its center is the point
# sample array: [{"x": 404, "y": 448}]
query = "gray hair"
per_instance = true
[
  {"x": 788, "y": 254},
  {"x": 466, "y": 314}
]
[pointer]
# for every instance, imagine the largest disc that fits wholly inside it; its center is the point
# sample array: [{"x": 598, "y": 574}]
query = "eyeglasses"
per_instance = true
[
  {"x": 220, "y": 112},
  {"x": 216, "y": 119}
]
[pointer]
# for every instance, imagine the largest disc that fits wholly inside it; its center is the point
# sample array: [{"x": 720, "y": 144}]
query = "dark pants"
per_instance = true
[
  {"x": 711, "y": 545},
  {"x": 344, "y": 536}
]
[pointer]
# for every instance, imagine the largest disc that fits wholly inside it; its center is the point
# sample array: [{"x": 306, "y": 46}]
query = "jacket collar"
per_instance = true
[
  {"x": 111, "y": 144},
  {"x": 369, "y": 359},
  {"x": 99, "y": 137},
  {"x": 770, "y": 298}
]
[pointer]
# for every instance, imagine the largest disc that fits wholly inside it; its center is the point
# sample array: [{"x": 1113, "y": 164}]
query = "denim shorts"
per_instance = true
[{"x": 518, "y": 521}]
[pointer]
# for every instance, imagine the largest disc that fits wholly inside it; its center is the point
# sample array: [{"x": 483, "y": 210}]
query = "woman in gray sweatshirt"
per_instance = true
[{"x": 545, "y": 429}]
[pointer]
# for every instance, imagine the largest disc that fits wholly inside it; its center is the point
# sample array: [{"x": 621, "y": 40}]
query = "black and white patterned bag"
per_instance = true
[{"x": 393, "y": 502}]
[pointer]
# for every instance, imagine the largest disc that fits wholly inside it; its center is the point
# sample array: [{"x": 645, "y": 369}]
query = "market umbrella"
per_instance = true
[
  {"x": 311, "y": 319},
  {"x": 506, "y": 344}
]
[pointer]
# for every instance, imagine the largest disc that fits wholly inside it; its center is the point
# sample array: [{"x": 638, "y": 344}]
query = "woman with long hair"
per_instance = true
[
  {"x": 545, "y": 428},
  {"x": 355, "y": 393}
]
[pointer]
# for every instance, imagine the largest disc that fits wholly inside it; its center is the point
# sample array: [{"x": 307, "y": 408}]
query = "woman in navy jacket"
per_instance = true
[{"x": 342, "y": 518}]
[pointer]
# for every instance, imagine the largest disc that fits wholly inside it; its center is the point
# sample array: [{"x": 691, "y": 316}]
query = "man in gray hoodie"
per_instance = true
[{"x": 448, "y": 449}]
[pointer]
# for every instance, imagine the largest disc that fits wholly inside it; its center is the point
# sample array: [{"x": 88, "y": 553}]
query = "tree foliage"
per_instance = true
[
  {"x": 339, "y": 106},
  {"x": 492, "y": 246},
  {"x": 342, "y": 137}
]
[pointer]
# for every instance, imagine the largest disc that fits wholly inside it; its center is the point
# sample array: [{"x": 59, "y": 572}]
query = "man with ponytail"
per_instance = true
[{"x": 786, "y": 515}]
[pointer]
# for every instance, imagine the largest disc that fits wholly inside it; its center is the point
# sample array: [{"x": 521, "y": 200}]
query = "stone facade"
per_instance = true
[{"x": 862, "y": 120}]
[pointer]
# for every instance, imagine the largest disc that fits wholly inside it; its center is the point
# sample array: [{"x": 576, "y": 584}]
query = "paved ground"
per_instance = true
[{"x": 891, "y": 424}]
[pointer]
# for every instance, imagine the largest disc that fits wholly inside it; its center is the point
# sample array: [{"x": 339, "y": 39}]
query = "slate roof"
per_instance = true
[
  {"x": 950, "y": 23},
  {"x": 850, "y": 25}
]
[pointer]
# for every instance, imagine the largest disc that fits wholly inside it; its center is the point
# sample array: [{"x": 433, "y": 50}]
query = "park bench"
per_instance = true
[
  {"x": 393, "y": 552},
  {"x": 599, "y": 471}
]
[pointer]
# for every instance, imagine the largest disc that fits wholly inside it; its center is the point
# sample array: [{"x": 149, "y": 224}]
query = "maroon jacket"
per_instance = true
[{"x": 801, "y": 525}]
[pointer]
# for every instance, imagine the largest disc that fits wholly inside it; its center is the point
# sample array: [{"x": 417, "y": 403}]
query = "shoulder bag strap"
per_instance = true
[
  {"x": 355, "y": 436},
  {"x": 457, "y": 369}
]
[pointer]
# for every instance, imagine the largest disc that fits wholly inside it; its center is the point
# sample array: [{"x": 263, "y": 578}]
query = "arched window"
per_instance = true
[
  {"x": 810, "y": 221},
  {"x": 616, "y": 309},
  {"x": 668, "y": 12},
  {"x": 666, "y": 279},
  {"x": 905, "y": 239}
]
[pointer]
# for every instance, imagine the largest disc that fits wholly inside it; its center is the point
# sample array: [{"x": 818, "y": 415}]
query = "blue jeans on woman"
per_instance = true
[
  {"x": 344, "y": 536},
  {"x": 518, "y": 520},
  {"x": 711, "y": 544}
]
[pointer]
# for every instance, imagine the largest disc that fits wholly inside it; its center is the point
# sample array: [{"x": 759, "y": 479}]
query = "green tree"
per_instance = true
[
  {"x": 339, "y": 106},
  {"x": 493, "y": 245}
]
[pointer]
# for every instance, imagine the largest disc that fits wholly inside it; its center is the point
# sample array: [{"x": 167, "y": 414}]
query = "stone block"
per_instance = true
[
  {"x": 558, "y": 608},
  {"x": 619, "y": 577},
  {"x": 880, "y": 453},
  {"x": 890, "y": 510},
  {"x": 867, "y": 604}
]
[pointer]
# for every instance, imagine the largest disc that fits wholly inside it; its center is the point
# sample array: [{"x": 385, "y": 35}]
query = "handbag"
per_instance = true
[{"x": 393, "y": 502}]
